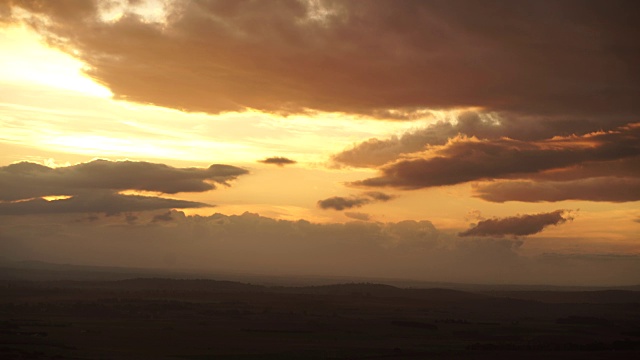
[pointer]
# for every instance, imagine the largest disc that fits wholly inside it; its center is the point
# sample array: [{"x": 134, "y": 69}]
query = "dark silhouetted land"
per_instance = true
[{"x": 161, "y": 318}]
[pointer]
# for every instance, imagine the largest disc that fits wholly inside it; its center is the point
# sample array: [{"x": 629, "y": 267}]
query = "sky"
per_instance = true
[{"x": 492, "y": 142}]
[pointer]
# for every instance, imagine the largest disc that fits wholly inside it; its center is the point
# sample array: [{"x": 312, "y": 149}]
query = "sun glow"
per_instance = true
[
  {"x": 26, "y": 59},
  {"x": 97, "y": 144}
]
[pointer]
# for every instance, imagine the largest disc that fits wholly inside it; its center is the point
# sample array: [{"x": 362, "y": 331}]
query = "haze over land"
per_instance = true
[{"x": 487, "y": 142}]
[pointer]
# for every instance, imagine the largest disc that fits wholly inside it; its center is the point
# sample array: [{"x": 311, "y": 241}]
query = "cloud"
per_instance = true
[
  {"x": 106, "y": 202},
  {"x": 605, "y": 181},
  {"x": 165, "y": 217},
  {"x": 377, "y": 58},
  {"x": 131, "y": 218},
  {"x": 605, "y": 188},
  {"x": 280, "y": 161},
  {"x": 28, "y": 180},
  {"x": 487, "y": 126},
  {"x": 95, "y": 186},
  {"x": 340, "y": 203},
  {"x": 254, "y": 244},
  {"x": 357, "y": 215},
  {"x": 485, "y": 146},
  {"x": 518, "y": 225},
  {"x": 466, "y": 159},
  {"x": 622, "y": 168}
]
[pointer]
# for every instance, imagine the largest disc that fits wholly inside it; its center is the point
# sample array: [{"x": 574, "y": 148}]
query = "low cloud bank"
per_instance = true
[{"x": 250, "y": 243}]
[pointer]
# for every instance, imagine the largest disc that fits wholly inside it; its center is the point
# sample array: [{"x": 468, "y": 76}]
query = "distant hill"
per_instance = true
[{"x": 43, "y": 271}]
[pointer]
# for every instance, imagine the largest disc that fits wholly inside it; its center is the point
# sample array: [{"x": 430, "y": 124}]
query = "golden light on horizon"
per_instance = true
[{"x": 56, "y": 197}]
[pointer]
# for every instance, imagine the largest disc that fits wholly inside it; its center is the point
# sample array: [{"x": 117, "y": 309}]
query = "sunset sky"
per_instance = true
[{"x": 465, "y": 141}]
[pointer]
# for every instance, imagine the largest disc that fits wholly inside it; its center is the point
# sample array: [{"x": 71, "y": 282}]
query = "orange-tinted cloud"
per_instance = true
[
  {"x": 469, "y": 159},
  {"x": 518, "y": 225},
  {"x": 605, "y": 188},
  {"x": 388, "y": 59},
  {"x": 485, "y": 126}
]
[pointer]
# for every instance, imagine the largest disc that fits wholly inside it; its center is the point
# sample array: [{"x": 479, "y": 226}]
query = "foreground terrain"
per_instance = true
[{"x": 153, "y": 318}]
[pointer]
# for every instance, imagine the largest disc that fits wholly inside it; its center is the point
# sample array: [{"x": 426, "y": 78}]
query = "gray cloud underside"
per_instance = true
[
  {"x": 487, "y": 126},
  {"x": 357, "y": 215},
  {"x": 165, "y": 217},
  {"x": 108, "y": 203},
  {"x": 517, "y": 225},
  {"x": 607, "y": 188},
  {"x": 341, "y": 203},
  {"x": 463, "y": 160},
  {"x": 250, "y": 243},
  {"x": 28, "y": 180},
  {"x": 280, "y": 161},
  {"x": 622, "y": 168},
  {"x": 614, "y": 180},
  {"x": 379, "y": 58}
]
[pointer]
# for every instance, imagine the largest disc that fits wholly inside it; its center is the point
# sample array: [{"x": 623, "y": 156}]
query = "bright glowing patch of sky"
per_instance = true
[
  {"x": 50, "y": 104},
  {"x": 24, "y": 59}
]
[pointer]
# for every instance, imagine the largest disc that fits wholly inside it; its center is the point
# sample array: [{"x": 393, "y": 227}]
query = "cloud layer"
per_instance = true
[
  {"x": 255, "y": 244},
  {"x": 518, "y": 225},
  {"x": 613, "y": 189},
  {"x": 482, "y": 125},
  {"x": 106, "y": 202},
  {"x": 94, "y": 186},
  {"x": 341, "y": 203},
  {"x": 28, "y": 180},
  {"x": 388, "y": 59},
  {"x": 463, "y": 159}
]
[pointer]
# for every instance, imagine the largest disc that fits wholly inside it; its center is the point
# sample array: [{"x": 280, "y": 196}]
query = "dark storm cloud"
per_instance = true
[
  {"x": 386, "y": 58},
  {"x": 488, "y": 126},
  {"x": 340, "y": 203},
  {"x": 612, "y": 189},
  {"x": 108, "y": 203},
  {"x": 28, "y": 180},
  {"x": 280, "y": 161},
  {"x": 469, "y": 159},
  {"x": 518, "y": 225}
]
